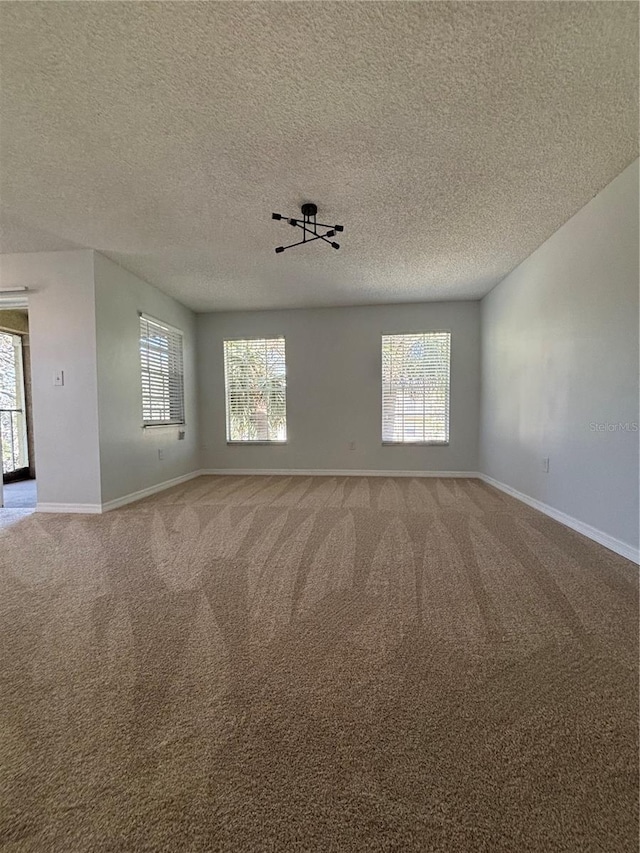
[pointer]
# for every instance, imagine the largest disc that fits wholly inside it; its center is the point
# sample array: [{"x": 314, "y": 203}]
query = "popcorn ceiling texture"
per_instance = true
[{"x": 451, "y": 139}]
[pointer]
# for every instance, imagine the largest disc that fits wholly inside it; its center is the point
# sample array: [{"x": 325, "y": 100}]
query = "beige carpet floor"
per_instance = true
[{"x": 316, "y": 664}]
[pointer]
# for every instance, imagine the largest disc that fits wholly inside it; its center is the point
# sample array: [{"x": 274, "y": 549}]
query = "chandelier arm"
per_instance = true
[
  {"x": 326, "y": 240},
  {"x": 322, "y": 225},
  {"x": 320, "y": 236},
  {"x": 310, "y": 240},
  {"x": 288, "y": 219},
  {"x": 316, "y": 237}
]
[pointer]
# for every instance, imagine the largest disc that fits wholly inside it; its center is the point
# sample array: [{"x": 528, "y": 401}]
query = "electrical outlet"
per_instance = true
[
  {"x": 180, "y": 435},
  {"x": 545, "y": 464},
  {"x": 352, "y": 445},
  {"x": 160, "y": 454}
]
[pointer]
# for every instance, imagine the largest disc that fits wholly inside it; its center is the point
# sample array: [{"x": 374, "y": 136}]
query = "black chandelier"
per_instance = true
[{"x": 309, "y": 227}]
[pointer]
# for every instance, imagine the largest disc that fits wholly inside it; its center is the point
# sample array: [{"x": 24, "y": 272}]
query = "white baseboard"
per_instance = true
[
  {"x": 325, "y": 472},
  {"x": 176, "y": 481},
  {"x": 150, "y": 490},
  {"x": 76, "y": 508},
  {"x": 598, "y": 536},
  {"x": 117, "y": 502}
]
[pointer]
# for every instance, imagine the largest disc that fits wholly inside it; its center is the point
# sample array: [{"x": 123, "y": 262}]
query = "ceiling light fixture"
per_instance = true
[{"x": 309, "y": 227}]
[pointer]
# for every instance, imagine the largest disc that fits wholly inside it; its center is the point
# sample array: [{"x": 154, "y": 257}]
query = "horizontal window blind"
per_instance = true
[
  {"x": 256, "y": 390},
  {"x": 162, "y": 373},
  {"x": 415, "y": 387}
]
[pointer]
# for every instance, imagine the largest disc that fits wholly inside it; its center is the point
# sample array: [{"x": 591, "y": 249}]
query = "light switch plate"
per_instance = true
[{"x": 58, "y": 377}]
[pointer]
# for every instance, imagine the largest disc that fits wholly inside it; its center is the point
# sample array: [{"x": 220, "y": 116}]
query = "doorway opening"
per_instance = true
[{"x": 16, "y": 417}]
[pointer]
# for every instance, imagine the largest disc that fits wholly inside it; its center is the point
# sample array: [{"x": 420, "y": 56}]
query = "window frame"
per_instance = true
[
  {"x": 172, "y": 331},
  {"x": 259, "y": 442},
  {"x": 417, "y": 443}
]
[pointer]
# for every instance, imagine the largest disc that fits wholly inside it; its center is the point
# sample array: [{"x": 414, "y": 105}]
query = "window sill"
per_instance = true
[
  {"x": 164, "y": 426},
  {"x": 255, "y": 443},
  {"x": 415, "y": 444}
]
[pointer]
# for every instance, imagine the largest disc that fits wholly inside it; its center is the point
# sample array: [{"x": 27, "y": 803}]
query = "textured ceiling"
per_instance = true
[{"x": 450, "y": 139}]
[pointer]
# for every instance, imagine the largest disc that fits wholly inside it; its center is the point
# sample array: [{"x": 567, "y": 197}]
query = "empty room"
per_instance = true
[{"x": 319, "y": 368}]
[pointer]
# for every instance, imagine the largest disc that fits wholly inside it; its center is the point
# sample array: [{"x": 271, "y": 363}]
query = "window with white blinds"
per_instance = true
[
  {"x": 415, "y": 388},
  {"x": 256, "y": 390},
  {"x": 162, "y": 373}
]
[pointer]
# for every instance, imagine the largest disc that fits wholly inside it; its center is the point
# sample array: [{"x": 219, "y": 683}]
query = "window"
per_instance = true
[
  {"x": 162, "y": 373},
  {"x": 255, "y": 384},
  {"x": 14, "y": 449},
  {"x": 415, "y": 388}
]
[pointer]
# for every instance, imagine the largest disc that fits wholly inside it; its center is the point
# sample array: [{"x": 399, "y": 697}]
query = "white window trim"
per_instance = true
[
  {"x": 171, "y": 424},
  {"x": 388, "y": 443},
  {"x": 273, "y": 442}
]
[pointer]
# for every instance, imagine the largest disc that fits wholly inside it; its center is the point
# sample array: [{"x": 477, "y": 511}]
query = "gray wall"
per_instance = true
[
  {"x": 83, "y": 314},
  {"x": 334, "y": 387},
  {"x": 63, "y": 336},
  {"x": 129, "y": 459},
  {"x": 559, "y": 357}
]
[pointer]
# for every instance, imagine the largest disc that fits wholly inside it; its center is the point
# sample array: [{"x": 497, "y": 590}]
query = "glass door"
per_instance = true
[{"x": 13, "y": 421}]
